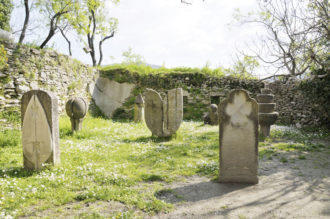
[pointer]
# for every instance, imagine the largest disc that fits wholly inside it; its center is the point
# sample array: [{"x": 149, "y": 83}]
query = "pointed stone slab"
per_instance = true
[
  {"x": 238, "y": 121},
  {"x": 154, "y": 112},
  {"x": 40, "y": 130},
  {"x": 173, "y": 111}
]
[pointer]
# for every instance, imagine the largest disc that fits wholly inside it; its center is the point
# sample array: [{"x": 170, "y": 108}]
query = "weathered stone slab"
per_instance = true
[
  {"x": 40, "y": 129},
  {"x": 163, "y": 118},
  {"x": 139, "y": 109},
  {"x": 211, "y": 116},
  {"x": 110, "y": 95},
  {"x": 238, "y": 121},
  {"x": 173, "y": 111},
  {"x": 154, "y": 112}
]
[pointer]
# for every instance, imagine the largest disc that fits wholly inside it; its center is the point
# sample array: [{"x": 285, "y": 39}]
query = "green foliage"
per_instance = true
[
  {"x": 10, "y": 138},
  {"x": 148, "y": 70},
  {"x": 318, "y": 92},
  {"x": 6, "y": 8},
  {"x": 3, "y": 57},
  {"x": 243, "y": 68},
  {"x": 132, "y": 58}
]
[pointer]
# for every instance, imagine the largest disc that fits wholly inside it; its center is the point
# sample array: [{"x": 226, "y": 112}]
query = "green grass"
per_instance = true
[
  {"x": 145, "y": 70},
  {"x": 119, "y": 161},
  {"x": 107, "y": 160}
]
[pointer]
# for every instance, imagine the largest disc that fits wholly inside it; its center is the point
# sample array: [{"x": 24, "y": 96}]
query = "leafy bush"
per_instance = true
[{"x": 5, "y": 10}]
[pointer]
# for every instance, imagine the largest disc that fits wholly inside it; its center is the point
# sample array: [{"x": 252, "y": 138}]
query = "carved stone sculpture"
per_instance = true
[
  {"x": 238, "y": 135},
  {"x": 163, "y": 117},
  {"x": 267, "y": 116},
  {"x": 211, "y": 116},
  {"x": 139, "y": 109},
  {"x": 76, "y": 108},
  {"x": 40, "y": 129}
]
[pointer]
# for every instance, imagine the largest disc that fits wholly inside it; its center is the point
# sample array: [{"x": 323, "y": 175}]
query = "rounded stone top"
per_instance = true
[
  {"x": 139, "y": 99},
  {"x": 213, "y": 108},
  {"x": 76, "y": 108}
]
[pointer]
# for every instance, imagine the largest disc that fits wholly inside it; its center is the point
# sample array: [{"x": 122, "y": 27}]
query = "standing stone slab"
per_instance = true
[
  {"x": 163, "y": 117},
  {"x": 154, "y": 112},
  {"x": 173, "y": 111},
  {"x": 238, "y": 120},
  {"x": 139, "y": 109},
  {"x": 40, "y": 129}
]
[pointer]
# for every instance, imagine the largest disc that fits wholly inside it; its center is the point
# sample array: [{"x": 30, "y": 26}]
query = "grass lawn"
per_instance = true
[{"x": 118, "y": 161}]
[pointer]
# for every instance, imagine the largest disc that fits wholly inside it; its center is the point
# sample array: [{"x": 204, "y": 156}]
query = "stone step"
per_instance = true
[
  {"x": 266, "y": 107},
  {"x": 265, "y": 98},
  {"x": 266, "y": 91},
  {"x": 267, "y": 118}
]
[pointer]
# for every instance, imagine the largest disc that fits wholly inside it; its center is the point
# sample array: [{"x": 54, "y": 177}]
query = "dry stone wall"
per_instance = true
[
  {"x": 30, "y": 68},
  {"x": 294, "y": 102}
]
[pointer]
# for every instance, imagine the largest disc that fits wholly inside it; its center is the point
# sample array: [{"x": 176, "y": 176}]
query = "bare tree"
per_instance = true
[{"x": 291, "y": 41}]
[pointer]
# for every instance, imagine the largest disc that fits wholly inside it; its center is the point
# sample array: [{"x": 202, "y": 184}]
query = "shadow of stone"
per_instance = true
[
  {"x": 145, "y": 139},
  {"x": 15, "y": 172},
  {"x": 198, "y": 191}
]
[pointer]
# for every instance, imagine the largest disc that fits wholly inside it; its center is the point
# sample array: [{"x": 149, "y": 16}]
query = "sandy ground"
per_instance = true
[{"x": 296, "y": 189}]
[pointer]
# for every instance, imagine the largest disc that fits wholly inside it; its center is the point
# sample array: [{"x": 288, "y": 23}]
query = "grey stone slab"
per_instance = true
[
  {"x": 139, "y": 109},
  {"x": 40, "y": 129},
  {"x": 238, "y": 136},
  {"x": 154, "y": 112},
  {"x": 163, "y": 117},
  {"x": 173, "y": 111}
]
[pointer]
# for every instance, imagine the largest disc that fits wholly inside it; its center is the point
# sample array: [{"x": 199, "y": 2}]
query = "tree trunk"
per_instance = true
[
  {"x": 26, "y": 21},
  {"x": 67, "y": 40}
]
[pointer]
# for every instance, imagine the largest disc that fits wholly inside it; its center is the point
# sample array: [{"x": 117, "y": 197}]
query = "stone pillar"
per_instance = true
[
  {"x": 267, "y": 116},
  {"x": 163, "y": 117},
  {"x": 238, "y": 135},
  {"x": 76, "y": 109},
  {"x": 139, "y": 109},
  {"x": 40, "y": 129}
]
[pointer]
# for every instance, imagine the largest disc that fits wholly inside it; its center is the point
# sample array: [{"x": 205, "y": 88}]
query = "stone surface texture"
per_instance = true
[
  {"x": 211, "y": 117},
  {"x": 163, "y": 117},
  {"x": 33, "y": 69},
  {"x": 139, "y": 109},
  {"x": 267, "y": 116},
  {"x": 238, "y": 136},
  {"x": 76, "y": 108},
  {"x": 40, "y": 129},
  {"x": 110, "y": 95}
]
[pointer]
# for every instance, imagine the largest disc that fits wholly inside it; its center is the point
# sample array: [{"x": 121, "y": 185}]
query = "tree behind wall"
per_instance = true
[{"x": 6, "y": 7}]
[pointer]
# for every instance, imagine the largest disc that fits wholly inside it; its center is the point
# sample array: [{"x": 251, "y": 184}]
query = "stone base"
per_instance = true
[
  {"x": 248, "y": 179},
  {"x": 76, "y": 124},
  {"x": 265, "y": 130}
]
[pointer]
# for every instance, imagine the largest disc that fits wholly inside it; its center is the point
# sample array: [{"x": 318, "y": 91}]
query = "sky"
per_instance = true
[{"x": 167, "y": 32}]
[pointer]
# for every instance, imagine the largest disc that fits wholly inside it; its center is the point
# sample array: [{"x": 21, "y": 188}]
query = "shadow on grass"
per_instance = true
[
  {"x": 16, "y": 172},
  {"x": 145, "y": 139}
]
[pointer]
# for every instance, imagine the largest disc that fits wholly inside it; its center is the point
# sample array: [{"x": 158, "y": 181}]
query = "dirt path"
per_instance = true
[{"x": 295, "y": 189}]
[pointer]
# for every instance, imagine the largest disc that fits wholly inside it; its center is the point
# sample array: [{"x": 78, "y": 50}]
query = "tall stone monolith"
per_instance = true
[
  {"x": 40, "y": 129},
  {"x": 76, "y": 108},
  {"x": 238, "y": 135},
  {"x": 163, "y": 117},
  {"x": 139, "y": 109}
]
